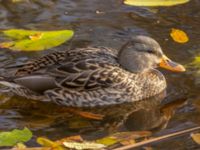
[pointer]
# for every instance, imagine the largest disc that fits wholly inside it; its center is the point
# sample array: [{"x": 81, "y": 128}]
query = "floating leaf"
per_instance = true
[
  {"x": 13, "y": 137},
  {"x": 76, "y": 138},
  {"x": 123, "y": 137},
  {"x": 107, "y": 140},
  {"x": 179, "y": 36},
  {"x": 154, "y": 2},
  {"x": 29, "y": 40},
  {"x": 20, "y": 146},
  {"x": 84, "y": 145},
  {"x": 48, "y": 143},
  {"x": 196, "y": 137}
]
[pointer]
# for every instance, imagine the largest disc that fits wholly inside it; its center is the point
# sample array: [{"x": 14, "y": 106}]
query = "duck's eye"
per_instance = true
[{"x": 150, "y": 51}]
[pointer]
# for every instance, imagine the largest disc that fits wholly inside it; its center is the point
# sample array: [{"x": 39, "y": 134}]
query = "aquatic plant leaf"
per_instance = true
[
  {"x": 179, "y": 36},
  {"x": 13, "y": 137},
  {"x": 84, "y": 145},
  {"x": 154, "y": 2},
  {"x": 29, "y": 40},
  {"x": 196, "y": 137}
]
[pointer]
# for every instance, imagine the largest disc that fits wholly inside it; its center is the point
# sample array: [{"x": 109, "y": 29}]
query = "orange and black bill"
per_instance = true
[{"x": 166, "y": 63}]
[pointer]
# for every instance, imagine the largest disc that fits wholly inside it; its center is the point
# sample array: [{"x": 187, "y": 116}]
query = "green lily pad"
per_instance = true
[
  {"x": 16, "y": 136},
  {"x": 29, "y": 40},
  {"x": 154, "y": 2}
]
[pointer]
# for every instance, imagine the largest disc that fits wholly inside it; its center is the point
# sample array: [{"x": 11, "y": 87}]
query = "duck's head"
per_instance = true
[{"x": 143, "y": 53}]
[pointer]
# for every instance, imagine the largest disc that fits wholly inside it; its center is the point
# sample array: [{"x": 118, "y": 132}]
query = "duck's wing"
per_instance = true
[
  {"x": 88, "y": 74},
  {"x": 79, "y": 69},
  {"x": 48, "y": 61},
  {"x": 42, "y": 62}
]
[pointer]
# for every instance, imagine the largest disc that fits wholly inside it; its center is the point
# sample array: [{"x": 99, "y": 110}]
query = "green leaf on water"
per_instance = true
[
  {"x": 13, "y": 137},
  {"x": 154, "y": 2},
  {"x": 29, "y": 40}
]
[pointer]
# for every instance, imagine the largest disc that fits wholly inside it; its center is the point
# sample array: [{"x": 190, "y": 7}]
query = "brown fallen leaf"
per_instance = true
[
  {"x": 76, "y": 138},
  {"x": 196, "y": 137},
  {"x": 128, "y": 142},
  {"x": 179, "y": 36}
]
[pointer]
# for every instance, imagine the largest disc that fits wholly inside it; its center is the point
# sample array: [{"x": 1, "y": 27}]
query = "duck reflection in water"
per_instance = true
[{"x": 148, "y": 114}]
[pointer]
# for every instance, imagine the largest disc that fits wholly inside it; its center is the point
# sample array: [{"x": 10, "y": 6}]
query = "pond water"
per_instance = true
[{"x": 108, "y": 23}]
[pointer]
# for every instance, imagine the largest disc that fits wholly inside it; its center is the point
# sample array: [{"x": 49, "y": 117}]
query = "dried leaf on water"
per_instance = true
[
  {"x": 124, "y": 138},
  {"x": 154, "y": 2},
  {"x": 15, "y": 136},
  {"x": 179, "y": 36},
  {"x": 84, "y": 145},
  {"x": 196, "y": 137},
  {"x": 76, "y": 138},
  {"x": 48, "y": 143},
  {"x": 30, "y": 40}
]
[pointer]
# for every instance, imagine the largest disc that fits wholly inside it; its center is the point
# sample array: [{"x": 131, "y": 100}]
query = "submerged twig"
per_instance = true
[{"x": 156, "y": 139}]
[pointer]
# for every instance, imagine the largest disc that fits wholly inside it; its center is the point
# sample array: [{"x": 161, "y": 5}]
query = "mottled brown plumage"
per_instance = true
[{"x": 87, "y": 77}]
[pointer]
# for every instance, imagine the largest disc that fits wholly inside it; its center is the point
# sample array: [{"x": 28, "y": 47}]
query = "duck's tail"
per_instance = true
[{"x": 13, "y": 88}]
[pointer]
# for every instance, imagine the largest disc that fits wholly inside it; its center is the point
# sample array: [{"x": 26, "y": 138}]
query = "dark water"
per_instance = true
[{"x": 108, "y": 23}]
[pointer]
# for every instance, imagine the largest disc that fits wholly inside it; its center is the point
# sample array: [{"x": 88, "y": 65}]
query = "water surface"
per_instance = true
[{"x": 107, "y": 23}]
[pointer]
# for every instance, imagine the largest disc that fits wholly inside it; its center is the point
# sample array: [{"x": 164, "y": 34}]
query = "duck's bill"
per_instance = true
[{"x": 168, "y": 64}]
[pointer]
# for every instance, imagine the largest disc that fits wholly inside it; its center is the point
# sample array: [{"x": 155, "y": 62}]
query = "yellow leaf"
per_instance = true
[
  {"x": 196, "y": 137},
  {"x": 179, "y": 36},
  {"x": 123, "y": 137},
  {"x": 154, "y": 2},
  {"x": 45, "y": 142}
]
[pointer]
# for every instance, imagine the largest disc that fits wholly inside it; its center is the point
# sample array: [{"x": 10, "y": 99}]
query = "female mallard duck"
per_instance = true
[{"x": 88, "y": 77}]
